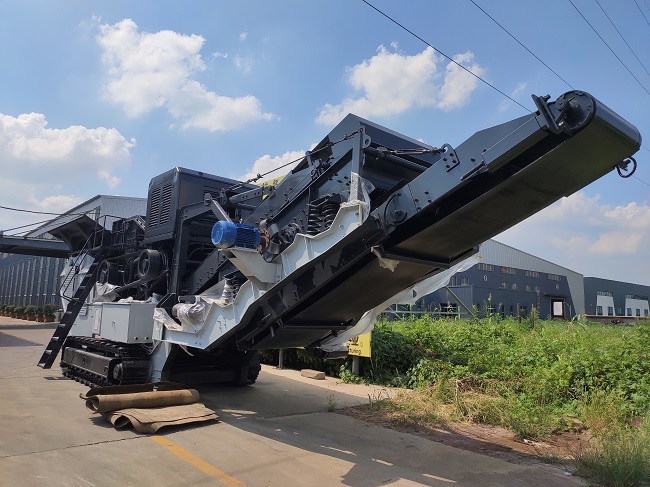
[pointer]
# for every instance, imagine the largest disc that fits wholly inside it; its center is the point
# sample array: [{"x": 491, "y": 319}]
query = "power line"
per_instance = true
[
  {"x": 521, "y": 44},
  {"x": 619, "y": 33},
  {"x": 326, "y": 146},
  {"x": 640, "y": 180},
  {"x": 444, "y": 55},
  {"x": 639, "y": 7},
  {"x": 39, "y": 212},
  {"x": 25, "y": 226},
  {"x": 612, "y": 51}
]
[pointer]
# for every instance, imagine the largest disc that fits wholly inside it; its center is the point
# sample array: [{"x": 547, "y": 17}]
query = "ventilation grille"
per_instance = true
[
  {"x": 154, "y": 208},
  {"x": 160, "y": 202},
  {"x": 166, "y": 203}
]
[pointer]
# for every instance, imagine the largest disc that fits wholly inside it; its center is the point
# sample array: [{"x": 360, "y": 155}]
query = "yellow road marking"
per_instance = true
[{"x": 205, "y": 467}]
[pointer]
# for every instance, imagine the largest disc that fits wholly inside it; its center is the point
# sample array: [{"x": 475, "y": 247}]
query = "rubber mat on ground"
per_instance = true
[{"x": 148, "y": 407}]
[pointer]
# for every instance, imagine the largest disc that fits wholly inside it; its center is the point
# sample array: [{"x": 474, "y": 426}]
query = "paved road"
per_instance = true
[{"x": 276, "y": 433}]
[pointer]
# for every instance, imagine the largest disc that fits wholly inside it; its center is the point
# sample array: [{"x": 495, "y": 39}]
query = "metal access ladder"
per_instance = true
[{"x": 75, "y": 304}]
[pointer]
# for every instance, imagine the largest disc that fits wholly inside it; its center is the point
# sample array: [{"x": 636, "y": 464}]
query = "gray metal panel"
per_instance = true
[
  {"x": 110, "y": 207},
  {"x": 121, "y": 207},
  {"x": 499, "y": 254},
  {"x": 85, "y": 207}
]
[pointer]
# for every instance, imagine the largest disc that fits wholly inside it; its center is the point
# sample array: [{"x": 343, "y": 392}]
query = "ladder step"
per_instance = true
[{"x": 75, "y": 305}]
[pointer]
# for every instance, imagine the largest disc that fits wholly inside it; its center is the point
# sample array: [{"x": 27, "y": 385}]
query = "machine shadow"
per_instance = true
[{"x": 301, "y": 417}]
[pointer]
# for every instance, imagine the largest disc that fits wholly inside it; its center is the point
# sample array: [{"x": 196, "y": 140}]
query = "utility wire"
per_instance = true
[
  {"x": 443, "y": 54},
  {"x": 608, "y": 47},
  {"x": 639, "y": 7},
  {"x": 619, "y": 33},
  {"x": 640, "y": 180},
  {"x": 521, "y": 44},
  {"x": 25, "y": 226},
  {"x": 39, "y": 212},
  {"x": 260, "y": 176}
]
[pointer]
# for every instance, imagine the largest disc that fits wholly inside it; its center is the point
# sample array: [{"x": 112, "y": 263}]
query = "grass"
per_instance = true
[
  {"x": 619, "y": 458},
  {"x": 535, "y": 378}
]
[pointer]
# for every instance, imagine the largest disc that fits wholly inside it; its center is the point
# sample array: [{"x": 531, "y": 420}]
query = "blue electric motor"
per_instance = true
[{"x": 228, "y": 234}]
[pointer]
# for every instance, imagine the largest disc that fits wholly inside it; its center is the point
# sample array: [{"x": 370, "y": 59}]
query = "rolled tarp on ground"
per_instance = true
[
  {"x": 156, "y": 399},
  {"x": 147, "y": 407}
]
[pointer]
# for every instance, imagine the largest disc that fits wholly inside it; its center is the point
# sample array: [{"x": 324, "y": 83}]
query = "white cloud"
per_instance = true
[
  {"x": 157, "y": 70},
  {"x": 244, "y": 64},
  {"x": 39, "y": 154},
  {"x": 595, "y": 239},
  {"x": 267, "y": 163},
  {"x": 391, "y": 83},
  {"x": 57, "y": 203},
  {"x": 49, "y": 162},
  {"x": 459, "y": 84},
  {"x": 243, "y": 36},
  {"x": 505, "y": 104}
]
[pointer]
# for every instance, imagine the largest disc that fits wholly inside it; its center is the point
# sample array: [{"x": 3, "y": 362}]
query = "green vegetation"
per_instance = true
[
  {"x": 534, "y": 377},
  {"x": 542, "y": 373},
  {"x": 619, "y": 458}
]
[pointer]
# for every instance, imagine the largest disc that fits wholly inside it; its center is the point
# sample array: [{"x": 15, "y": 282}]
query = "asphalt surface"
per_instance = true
[{"x": 278, "y": 432}]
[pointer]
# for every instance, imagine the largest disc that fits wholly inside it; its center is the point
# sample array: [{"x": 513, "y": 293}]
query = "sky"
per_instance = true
[{"x": 99, "y": 97}]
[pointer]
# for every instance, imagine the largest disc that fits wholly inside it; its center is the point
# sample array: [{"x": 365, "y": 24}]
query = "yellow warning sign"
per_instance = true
[
  {"x": 360, "y": 345},
  {"x": 271, "y": 182}
]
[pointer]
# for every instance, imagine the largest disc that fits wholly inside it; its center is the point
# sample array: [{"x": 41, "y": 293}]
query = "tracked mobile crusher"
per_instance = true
[{"x": 218, "y": 270}]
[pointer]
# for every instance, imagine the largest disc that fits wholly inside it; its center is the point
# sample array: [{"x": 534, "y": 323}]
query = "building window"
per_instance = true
[
  {"x": 604, "y": 293},
  {"x": 629, "y": 311},
  {"x": 599, "y": 310},
  {"x": 504, "y": 285},
  {"x": 485, "y": 267},
  {"x": 619, "y": 311},
  {"x": 536, "y": 289},
  {"x": 554, "y": 277},
  {"x": 508, "y": 270},
  {"x": 610, "y": 311},
  {"x": 459, "y": 281},
  {"x": 638, "y": 312},
  {"x": 514, "y": 287},
  {"x": 529, "y": 287},
  {"x": 645, "y": 312},
  {"x": 636, "y": 296},
  {"x": 531, "y": 273}
]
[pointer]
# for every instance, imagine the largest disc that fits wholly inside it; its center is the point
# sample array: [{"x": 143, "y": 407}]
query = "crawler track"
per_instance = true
[{"x": 132, "y": 367}]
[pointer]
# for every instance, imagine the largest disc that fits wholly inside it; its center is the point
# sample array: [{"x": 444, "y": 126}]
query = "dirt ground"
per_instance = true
[{"x": 492, "y": 441}]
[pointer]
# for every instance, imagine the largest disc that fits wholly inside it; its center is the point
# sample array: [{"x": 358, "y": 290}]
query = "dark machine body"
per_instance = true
[{"x": 422, "y": 208}]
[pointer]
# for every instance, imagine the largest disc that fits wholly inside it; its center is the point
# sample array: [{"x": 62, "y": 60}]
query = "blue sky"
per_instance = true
[{"x": 98, "y": 97}]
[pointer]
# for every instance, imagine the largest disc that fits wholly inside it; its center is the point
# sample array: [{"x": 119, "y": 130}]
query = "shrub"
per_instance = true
[
  {"x": 30, "y": 310},
  {"x": 49, "y": 309},
  {"x": 543, "y": 375},
  {"x": 20, "y": 310}
]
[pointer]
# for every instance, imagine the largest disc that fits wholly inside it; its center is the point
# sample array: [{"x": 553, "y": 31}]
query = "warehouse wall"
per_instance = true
[
  {"x": 26, "y": 280},
  {"x": 508, "y": 279}
]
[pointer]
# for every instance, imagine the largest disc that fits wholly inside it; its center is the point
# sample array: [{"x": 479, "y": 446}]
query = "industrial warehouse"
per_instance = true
[{"x": 506, "y": 281}]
